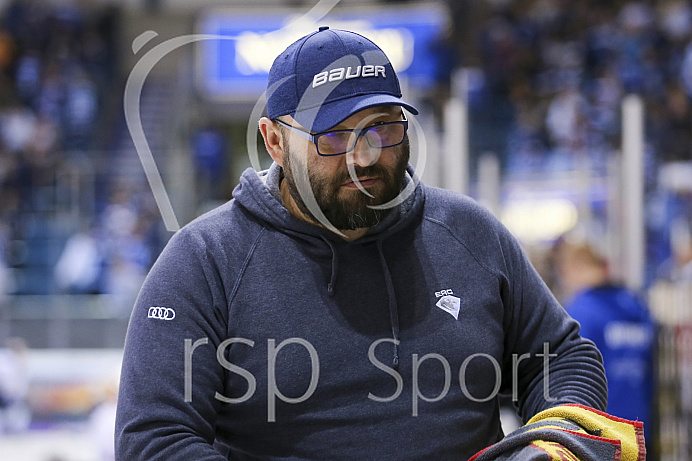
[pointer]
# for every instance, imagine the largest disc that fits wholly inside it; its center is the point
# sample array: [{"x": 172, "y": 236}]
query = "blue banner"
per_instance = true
[{"x": 233, "y": 62}]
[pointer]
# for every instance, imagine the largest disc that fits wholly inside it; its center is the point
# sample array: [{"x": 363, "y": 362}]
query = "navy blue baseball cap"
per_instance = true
[{"x": 327, "y": 76}]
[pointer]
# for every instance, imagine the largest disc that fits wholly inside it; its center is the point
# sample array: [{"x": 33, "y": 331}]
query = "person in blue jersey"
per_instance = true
[
  {"x": 337, "y": 307},
  {"x": 618, "y": 321}
]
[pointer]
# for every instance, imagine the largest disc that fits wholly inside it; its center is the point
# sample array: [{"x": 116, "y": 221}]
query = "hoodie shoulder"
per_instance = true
[
  {"x": 468, "y": 221},
  {"x": 492, "y": 245},
  {"x": 222, "y": 236},
  {"x": 446, "y": 205},
  {"x": 227, "y": 221}
]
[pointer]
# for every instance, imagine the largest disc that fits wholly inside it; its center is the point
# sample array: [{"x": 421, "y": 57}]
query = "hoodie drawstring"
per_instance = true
[
  {"x": 335, "y": 268},
  {"x": 393, "y": 308},
  {"x": 391, "y": 297}
]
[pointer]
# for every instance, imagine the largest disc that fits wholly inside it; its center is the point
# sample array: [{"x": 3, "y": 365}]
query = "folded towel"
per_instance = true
[{"x": 571, "y": 432}]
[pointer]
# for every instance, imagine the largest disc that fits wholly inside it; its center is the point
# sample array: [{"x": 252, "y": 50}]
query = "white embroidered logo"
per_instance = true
[
  {"x": 161, "y": 313},
  {"x": 448, "y": 303},
  {"x": 347, "y": 73}
]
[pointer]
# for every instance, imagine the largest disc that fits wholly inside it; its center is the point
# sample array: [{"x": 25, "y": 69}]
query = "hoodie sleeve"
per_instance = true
[
  {"x": 550, "y": 363},
  {"x": 166, "y": 405},
  {"x": 545, "y": 362}
]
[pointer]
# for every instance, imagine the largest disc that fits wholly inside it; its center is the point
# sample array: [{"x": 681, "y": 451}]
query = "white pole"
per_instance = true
[
  {"x": 455, "y": 153},
  {"x": 633, "y": 249},
  {"x": 489, "y": 188},
  {"x": 614, "y": 225},
  {"x": 433, "y": 167}
]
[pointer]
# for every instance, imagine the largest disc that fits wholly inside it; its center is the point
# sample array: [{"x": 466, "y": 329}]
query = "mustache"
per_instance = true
[{"x": 360, "y": 171}]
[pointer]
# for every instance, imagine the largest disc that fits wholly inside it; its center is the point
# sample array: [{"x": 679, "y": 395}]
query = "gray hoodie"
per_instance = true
[{"x": 258, "y": 336}]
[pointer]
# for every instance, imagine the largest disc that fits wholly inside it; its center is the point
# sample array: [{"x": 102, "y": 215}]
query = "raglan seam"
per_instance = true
[
  {"x": 481, "y": 263},
  {"x": 246, "y": 263}
]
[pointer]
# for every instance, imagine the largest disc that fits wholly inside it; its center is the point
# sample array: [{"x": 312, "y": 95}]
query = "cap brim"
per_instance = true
[{"x": 328, "y": 115}]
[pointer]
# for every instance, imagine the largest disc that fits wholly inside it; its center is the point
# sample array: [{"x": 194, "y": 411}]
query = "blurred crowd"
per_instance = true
[
  {"x": 548, "y": 92},
  {"x": 556, "y": 72},
  {"x": 56, "y": 61},
  {"x": 64, "y": 226}
]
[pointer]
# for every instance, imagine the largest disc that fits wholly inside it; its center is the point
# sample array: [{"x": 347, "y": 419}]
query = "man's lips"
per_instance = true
[{"x": 365, "y": 182}]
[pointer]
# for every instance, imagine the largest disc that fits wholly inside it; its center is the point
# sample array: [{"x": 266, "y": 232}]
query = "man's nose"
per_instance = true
[{"x": 363, "y": 153}]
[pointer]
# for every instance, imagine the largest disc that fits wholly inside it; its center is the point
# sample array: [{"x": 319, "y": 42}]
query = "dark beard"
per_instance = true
[{"x": 349, "y": 210}]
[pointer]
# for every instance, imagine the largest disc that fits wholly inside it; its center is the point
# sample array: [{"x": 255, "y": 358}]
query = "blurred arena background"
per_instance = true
[{"x": 570, "y": 120}]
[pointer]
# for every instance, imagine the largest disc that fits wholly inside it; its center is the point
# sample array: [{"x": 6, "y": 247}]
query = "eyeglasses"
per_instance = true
[{"x": 339, "y": 142}]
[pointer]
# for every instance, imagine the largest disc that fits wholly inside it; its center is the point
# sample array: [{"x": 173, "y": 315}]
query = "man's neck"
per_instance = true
[{"x": 294, "y": 209}]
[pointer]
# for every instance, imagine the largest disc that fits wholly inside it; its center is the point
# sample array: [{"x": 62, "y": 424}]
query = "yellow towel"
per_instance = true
[{"x": 629, "y": 433}]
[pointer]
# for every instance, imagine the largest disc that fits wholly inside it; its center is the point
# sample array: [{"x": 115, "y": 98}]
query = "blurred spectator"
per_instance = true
[
  {"x": 102, "y": 423},
  {"x": 678, "y": 267},
  {"x": 28, "y": 76},
  {"x": 52, "y": 94},
  {"x": 17, "y": 125},
  {"x": 14, "y": 385},
  {"x": 81, "y": 107},
  {"x": 675, "y": 19},
  {"x": 209, "y": 151},
  {"x": 618, "y": 322},
  {"x": 635, "y": 21},
  {"x": 5, "y": 280},
  {"x": 79, "y": 268},
  {"x": 7, "y": 50},
  {"x": 124, "y": 247},
  {"x": 126, "y": 269},
  {"x": 500, "y": 48},
  {"x": 566, "y": 119},
  {"x": 120, "y": 216},
  {"x": 686, "y": 69},
  {"x": 675, "y": 134},
  {"x": 604, "y": 94}
]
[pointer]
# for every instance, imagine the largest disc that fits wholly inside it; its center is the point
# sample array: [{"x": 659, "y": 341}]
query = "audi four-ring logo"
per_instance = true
[{"x": 161, "y": 313}]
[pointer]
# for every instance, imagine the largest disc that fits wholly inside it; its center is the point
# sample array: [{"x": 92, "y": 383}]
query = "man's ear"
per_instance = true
[{"x": 273, "y": 140}]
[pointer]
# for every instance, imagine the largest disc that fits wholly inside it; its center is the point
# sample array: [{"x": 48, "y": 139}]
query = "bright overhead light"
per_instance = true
[{"x": 534, "y": 221}]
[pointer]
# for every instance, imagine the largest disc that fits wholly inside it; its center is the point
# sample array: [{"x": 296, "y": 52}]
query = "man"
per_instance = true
[{"x": 337, "y": 308}]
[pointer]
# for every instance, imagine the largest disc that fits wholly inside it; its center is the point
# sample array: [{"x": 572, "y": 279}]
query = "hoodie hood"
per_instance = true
[{"x": 259, "y": 193}]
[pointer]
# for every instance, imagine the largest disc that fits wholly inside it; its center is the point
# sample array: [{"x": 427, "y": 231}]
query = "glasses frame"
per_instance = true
[{"x": 314, "y": 137}]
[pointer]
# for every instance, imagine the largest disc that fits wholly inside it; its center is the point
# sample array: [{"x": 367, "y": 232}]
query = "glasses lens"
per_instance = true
[
  {"x": 379, "y": 136},
  {"x": 386, "y": 135},
  {"x": 335, "y": 143}
]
